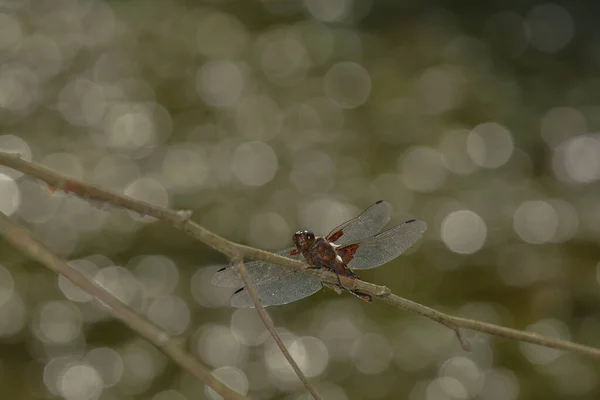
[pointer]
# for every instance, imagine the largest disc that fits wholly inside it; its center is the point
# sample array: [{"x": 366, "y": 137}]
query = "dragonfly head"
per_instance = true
[{"x": 303, "y": 239}]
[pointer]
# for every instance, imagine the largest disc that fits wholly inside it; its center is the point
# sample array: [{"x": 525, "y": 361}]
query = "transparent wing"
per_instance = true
[
  {"x": 257, "y": 270},
  {"x": 367, "y": 224},
  {"x": 292, "y": 286},
  {"x": 274, "y": 284},
  {"x": 384, "y": 247}
]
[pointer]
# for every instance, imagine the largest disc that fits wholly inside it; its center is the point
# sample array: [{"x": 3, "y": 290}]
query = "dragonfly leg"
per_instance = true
[
  {"x": 363, "y": 296},
  {"x": 330, "y": 270},
  {"x": 338, "y": 278},
  {"x": 350, "y": 274},
  {"x": 333, "y": 286}
]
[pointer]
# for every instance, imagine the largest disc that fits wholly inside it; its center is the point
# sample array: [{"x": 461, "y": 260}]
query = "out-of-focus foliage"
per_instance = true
[{"x": 265, "y": 117}]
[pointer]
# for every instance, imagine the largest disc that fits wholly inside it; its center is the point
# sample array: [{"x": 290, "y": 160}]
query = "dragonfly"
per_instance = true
[{"x": 354, "y": 245}]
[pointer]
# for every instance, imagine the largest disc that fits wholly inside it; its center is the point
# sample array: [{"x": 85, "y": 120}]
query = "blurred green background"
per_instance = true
[{"x": 264, "y": 117}]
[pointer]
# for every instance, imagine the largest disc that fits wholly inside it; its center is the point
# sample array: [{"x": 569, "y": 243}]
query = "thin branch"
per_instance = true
[
  {"x": 231, "y": 249},
  {"x": 239, "y": 263},
  {"x": 484, "y": 327},
  {"x": 179, "y": 219},
  {"x": 22, "y": 239}
]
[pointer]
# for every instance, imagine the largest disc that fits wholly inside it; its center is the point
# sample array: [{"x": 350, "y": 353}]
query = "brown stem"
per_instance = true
[
  {"x": 22, "y": 239},
  {"x": 239, "y": 263},
  {"x": 181, "y": 220}
]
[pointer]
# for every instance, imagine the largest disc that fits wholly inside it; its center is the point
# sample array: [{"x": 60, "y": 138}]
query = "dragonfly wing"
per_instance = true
[
  {"x": 384, "y": 247},
  {"x": 227, "y": 276},
  {"x": 367, "y": 224},
  {"x": 274, "y": 284},
  {"x": 292, "y": 286}
]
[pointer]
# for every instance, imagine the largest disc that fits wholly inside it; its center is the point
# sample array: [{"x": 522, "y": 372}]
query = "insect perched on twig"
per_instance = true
[{"x": 354, "y": 245}]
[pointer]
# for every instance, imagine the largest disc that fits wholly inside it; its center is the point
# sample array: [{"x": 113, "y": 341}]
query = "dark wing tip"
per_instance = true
[
  {"x": 379, "y": 201},
  {"x": 239, "y": 290},
  {"x": 422, "y": 223},
  {"x": 222, "y": 269}
]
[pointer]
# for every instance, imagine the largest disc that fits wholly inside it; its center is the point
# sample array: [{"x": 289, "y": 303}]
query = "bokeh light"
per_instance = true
[
  {"x": 464, "y": 232},
  {"x": 264, "y": 118},
  {"x": 232, "y": 377}
]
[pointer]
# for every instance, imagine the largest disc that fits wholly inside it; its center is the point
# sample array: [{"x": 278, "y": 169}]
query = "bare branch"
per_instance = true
[
  {"x": 231, "y": 249},
  {"x": 239, "y": 263},
  {"x": 21, "y": 238}
]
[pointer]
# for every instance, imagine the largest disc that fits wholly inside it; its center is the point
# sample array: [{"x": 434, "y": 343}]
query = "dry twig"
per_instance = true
[
  {"x": 22, "y": 239},
  {"x": 239, "y": 263},
  {"x": 230, "y": 249}
]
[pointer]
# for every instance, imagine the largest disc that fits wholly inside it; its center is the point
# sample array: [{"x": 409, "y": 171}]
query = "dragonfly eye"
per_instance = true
[{"x": 303, "y": 239}]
